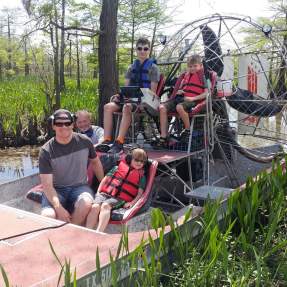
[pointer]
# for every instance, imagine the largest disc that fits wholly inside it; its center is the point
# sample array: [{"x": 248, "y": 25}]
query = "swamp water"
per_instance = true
[{"x": 18, "y": 162}]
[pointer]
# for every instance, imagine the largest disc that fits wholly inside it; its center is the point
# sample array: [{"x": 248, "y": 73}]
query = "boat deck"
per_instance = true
[{"x": 29, "y": 261}]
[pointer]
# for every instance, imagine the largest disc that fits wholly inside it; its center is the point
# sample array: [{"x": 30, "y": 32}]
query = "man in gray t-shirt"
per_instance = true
[
  {"x": 63, "y": 162},
  {"x": 143, "y": 73}
]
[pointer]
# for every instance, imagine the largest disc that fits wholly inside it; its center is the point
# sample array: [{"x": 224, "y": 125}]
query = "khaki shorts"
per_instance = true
[{"x": 102, "y": 197}]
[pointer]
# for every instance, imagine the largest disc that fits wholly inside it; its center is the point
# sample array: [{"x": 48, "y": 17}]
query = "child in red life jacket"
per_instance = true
[
  {"x": 121, "y": 187},
  {"x": 192, "y": 91}
]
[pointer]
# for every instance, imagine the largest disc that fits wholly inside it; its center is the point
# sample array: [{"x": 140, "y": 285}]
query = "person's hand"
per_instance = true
[
  {"x": 115, "y": 98},
  {"x": 179, "y": 92},
  {"x": 128, "y": 205},
  {"x": 63, "y": 214},
  {"x": 179, "y": 99}
]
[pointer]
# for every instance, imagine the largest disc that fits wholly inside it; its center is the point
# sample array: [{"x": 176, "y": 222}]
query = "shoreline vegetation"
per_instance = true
[{"x": 23, "y": 116}]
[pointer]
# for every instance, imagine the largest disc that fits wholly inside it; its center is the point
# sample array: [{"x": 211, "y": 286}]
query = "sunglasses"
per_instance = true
[
  {"x": 66, "y": 124},
  {"x": 142, "y": 48},
  {"x": 139, "y": 160}
]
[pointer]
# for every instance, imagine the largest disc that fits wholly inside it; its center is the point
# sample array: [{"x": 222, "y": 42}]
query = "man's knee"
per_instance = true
[
  {"x": 48, "y": 212},
  {"x": 84, "y": 202},
  {"x": 127, "y": 108},
  {"x": 111, "y": 107}
]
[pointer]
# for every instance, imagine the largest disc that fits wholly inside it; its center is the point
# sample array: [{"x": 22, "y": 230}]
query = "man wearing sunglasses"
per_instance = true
[
  {"x": 144, "y": 73},
  {"x": 63, "y": 162}
]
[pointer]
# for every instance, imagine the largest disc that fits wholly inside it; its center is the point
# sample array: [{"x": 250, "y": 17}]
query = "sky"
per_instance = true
[
  {"x": 189, "y": 10},
  {"x": 198, "y": 8}
]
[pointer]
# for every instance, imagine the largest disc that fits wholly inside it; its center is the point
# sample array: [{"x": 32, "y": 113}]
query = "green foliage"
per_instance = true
[
  {"x": 5, "y": 277},
  {"x": 24, "y": 97}
]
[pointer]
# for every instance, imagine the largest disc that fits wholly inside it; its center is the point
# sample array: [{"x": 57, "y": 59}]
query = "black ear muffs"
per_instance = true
[
  {"x": 128, "y": 158},
  {"x": 71, "y": 117}
]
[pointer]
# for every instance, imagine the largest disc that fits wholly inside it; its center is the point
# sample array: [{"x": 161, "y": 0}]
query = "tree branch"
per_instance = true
[{"x": 94, "y": 32}]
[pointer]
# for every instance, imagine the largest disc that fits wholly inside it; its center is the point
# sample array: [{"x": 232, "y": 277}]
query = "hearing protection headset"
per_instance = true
[{"x": 57, "y": 115}]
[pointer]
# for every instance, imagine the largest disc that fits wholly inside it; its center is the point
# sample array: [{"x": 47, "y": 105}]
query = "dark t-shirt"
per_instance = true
[{"x": 67, "y": 162}]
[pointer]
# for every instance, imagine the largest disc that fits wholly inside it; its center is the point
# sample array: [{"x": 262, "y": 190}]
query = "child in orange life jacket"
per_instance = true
[
  {"x": 192, "y": 91},
  {"x": 121, "y": 187}
]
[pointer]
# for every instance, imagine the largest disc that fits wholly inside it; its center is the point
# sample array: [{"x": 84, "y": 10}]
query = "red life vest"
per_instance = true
[
  {"x": 124, "y": 183},
  {"x": 193, "y": 84}
]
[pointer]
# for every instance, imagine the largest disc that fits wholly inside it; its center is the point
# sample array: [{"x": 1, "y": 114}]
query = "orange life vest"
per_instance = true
[
  {"x": 192, "y": 84},
  {"x": 124, "y": 183}
]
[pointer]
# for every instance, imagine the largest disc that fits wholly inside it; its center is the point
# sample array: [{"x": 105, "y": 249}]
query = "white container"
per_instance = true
[{"x": 140, "y": 139}]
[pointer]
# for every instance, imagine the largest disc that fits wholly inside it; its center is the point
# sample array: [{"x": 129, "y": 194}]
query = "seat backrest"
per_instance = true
[
  {"x": 177, "y": 85},
  {"x": 160, "y": 85}
]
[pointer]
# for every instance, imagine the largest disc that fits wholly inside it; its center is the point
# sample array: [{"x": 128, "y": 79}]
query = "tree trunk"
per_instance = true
[
  {"x": 153, "y": 37},
  {"x": 107, "y": 54},
  {"x": 26, "y": 66},
  {"x": 9, "y": 50},
  {"x": 133, "y": 32},
  {"x": 1, "y": 70},
  {"x": 78, "y": 63},
  {"x": 70, "y": 59},
  {"x": 62, "y": 48},
  {"x": 95, "y": 71}
]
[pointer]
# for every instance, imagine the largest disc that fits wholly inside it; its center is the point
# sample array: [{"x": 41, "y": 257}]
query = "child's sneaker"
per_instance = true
[
  {"x": 184, "y": 135},
  {"x": 116, "y": 147},
  {"x": 161, "y": 143}
]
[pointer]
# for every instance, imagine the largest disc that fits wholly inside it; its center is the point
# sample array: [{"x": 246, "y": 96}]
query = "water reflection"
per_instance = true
[
  {"x": 259, "y": 132},
  {"x": 17, "y": 163}
]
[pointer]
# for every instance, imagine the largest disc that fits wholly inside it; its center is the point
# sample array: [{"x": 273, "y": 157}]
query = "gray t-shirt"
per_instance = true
[
  {"x": 153, "y": 73},
  {"x": 67, "y": 162}
]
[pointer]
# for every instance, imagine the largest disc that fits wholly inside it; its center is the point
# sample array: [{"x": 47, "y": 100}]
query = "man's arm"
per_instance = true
[
  {"x": 103, "y": 181},
  {"x": 51, "y": 194},
  {"x": 97, "y": 168}
]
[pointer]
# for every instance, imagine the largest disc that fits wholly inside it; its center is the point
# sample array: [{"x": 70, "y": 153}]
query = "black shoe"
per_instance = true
[
  {"x": 161, "y": 143},
  {"x": 103, "y": 147},
  {"x": 184, "y": 135},
  {"x": 116, "y": 148}
]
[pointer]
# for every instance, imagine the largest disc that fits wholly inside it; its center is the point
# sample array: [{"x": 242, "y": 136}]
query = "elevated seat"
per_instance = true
[
  {"x": 119, "y": 216},
  {"x": 200, "y": 107},
  {"x": 139, "y": 111}
]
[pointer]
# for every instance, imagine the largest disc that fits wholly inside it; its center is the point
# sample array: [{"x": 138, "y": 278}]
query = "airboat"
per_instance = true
[{"x": 238, "y": 132}]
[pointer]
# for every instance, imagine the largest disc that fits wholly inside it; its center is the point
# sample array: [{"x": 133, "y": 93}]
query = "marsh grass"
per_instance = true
[{"x": 23, "y": 99}]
